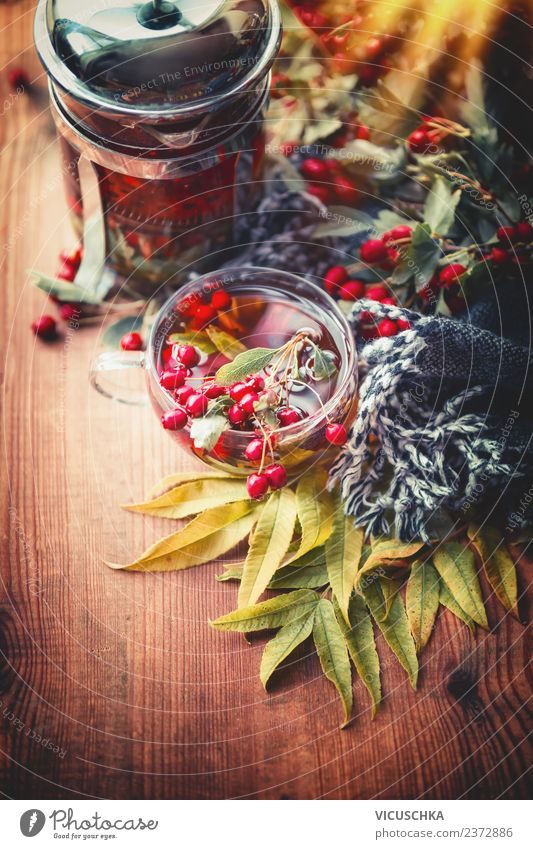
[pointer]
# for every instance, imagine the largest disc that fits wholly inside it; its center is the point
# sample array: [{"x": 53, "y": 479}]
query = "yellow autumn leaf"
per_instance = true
[
  {"x": 422, "y": 599},
  {"x": 333, "y": 654},
  {"x": 343, "y": 553},
  {"x": 193, "y": 497},
  {"x": 455, "y": 564},
  {"x": 316, "y": 507},
  {"x": 225, "y": 342},
  {"x": 205, "y": 538},
  {"x": 498, "y": 564},
  {"x": 386, "y": 553},
  {"x": 269, "y": 544},
  {"x": 172, "y": 481}
]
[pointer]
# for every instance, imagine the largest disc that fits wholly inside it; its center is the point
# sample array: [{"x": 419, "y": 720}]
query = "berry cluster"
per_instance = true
[
  {"x": 242, "y": 404},
  {"x": 202, "y": 310},
  {"x": 46, "y": 325},
  {"x": 327, "y": 181}
]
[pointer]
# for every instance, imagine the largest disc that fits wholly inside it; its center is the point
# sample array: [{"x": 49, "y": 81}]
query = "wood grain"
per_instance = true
[{"x": 122, "y": 672}]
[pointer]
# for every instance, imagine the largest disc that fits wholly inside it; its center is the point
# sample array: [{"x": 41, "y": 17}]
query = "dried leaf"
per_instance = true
[
  {"x": 455, "y": 564},
  {"x": 269, "y": 545},
  {"x": 205, "y": 538},
  {"x": 333, "y": 654},
  {"x": 448, "y": 601},
  {"x": 274, "y": 613},
  {"x": 394, "y": 627},
  {"x": 199, "y": 339},
  {"x": 307, "y": 571},
  {"x": 245, "y": 364},
  {"x": 422, "y": 601},
  {"x": 225, "y": 342},
  {"x": 343, "y": 553},
  {"x": 390, "y": 588},
  {"x": 498, "y": 563},
  {"x": 193, "y": 496},
  {"x": 288, "y": 638},
  {"x": 359, "y": 636},
  {"x": 387, "y": 552},
  {"x": 316, "y": 507},
  {"x": 172, "y": 481}
]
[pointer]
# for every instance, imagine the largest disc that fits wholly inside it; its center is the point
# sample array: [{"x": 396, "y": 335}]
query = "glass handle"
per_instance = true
[{"x": 103, "y": 374}]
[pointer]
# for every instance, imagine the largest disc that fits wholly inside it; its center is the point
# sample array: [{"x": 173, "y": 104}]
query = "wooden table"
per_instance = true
[{"x": 113, "y": 685}]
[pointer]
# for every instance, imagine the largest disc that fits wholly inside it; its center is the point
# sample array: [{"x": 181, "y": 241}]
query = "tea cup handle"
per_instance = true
[{"x": 109, "y": 363}]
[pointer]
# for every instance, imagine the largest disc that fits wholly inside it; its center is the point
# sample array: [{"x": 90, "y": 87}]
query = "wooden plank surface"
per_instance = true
[{"x": 121, "y": 673}]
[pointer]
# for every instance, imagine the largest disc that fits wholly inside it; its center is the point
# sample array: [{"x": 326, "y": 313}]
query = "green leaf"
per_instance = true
[
  {"x": 420, "y": 260},
  {"x": 206, "y": 431},
  {"x": 198, "y": 339},
  {"x": 343, "y": 553},
  {"x": 394, "y": 627},
  {"x": 114, "y": 333},
  {"x": 171, "y": 481},
  {"x": 333, "y": 654},
  {"x": 448, "y": 601},
  {"x": 359, "y": 636},
  {"x": 498, "y": 564},
  {"x": 205, "y": 538},
  {"x": 343, "y": 221},
  {"x": 390, "y": 587},
  {"x": 274, "y": 613},
  {"x": 288, "y": 638},
  {"x": 387, "y": 553},
  {"x": 225, "y": 342},
  {"x": 307, "y": 571},
  {"x": 441, "y": 204},
  {"x": 245, "y": 364},
  {"x": 455, "y": 565},
  {"x": 422, "y": 601},
  {"x": 192, "y": 496},
  {"x": 323, "y": 366},
  {"x": 316, "y": 507},
  {"x": 63, "y": 290},
  {"x": 269, "y": 545}
]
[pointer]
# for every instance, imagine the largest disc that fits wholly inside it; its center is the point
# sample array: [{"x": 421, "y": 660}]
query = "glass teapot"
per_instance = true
[{"x": 165, "y": 101}]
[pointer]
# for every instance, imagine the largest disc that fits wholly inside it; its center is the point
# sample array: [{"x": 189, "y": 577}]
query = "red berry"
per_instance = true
[
  {"x": 369, "y": 332},
  {"x": 289, "y": 416},
  {"x": 67, "y": 272},
  {"x": 403, "y": 231},
  {"x": 257, "y": 486},
  {"x": 248, "y": 402},
  {"x": 373, "y": 47},
  {"x": 499, "y": 256},
  {"x": 174, "y": 419},
  {"x": 71, "y": 258},
  {"x": 18, "y": 78},
  {"x": 314, "y": 169},
  {"x": 221, "y": 300},
  {"x": 213, "y": 390},
  {"x": 374, "y": 250},
  {"x": 419, "y": 140},
  {"x": 524, "y": 230},
  {"x": 256, "y": 382},
  {"x": 238, "y": 390},
  {"x": 311, "y": 17},
  {"x": 390, "y": 301},
  {"x": 402, "y": 324},
  {"x": 188, "y": 355},
  {"x": 362, "y": 132},
  {"x": 366, "y": 317},
  {"x": 203, "y": 314},
  {"x": 254, "y": 450},
  {"x": 321, "y": 192},
  {"x": 173, "y": 379},
  {"x": 183, "y": 394},
  {"x": 197, "y": 405},
  {"x": 45, "y": 327},
  {"x": 335, "y": 276},
  {"x": 450, "y": 273},
  {"x": 506, "y": 234},
  {"x": 131, "y": 342},
  {"x": 277, "y": 476},
  {"x": 377, "y": 293},
  {"x": 352, "y": 290},
  {"x": 236, "y": 415},
  {"x": 70, "y": 312},
  {"x": 345, "y": 189},
  {"x": 387, "y": 328},
  {"x": 336, "y": 434}
]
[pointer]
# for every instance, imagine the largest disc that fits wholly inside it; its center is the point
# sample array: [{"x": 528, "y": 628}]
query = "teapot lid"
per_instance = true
[{"x": 161, "y": 57}]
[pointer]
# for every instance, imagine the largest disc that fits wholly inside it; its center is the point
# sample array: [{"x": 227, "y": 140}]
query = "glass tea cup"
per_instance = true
[{"x": 219, "y": 315}]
